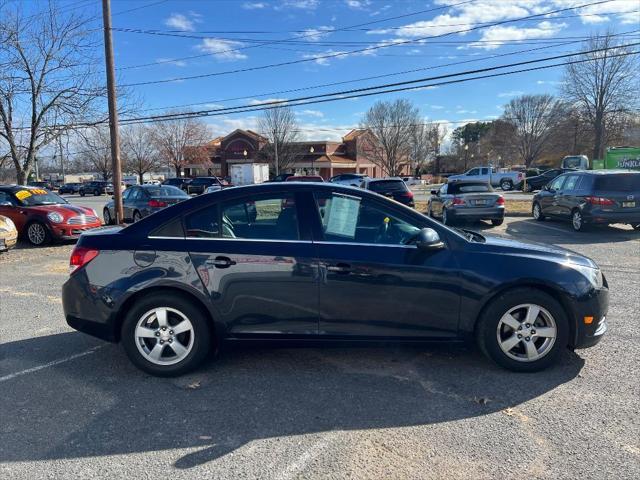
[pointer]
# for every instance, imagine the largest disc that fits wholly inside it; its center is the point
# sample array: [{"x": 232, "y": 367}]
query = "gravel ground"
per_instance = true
[{"x": 73, "y": 407}]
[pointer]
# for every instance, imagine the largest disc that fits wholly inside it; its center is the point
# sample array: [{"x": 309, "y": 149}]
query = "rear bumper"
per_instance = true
[
  {"x": 603, "y": 217},
  {"x": 489, "y": 213}
]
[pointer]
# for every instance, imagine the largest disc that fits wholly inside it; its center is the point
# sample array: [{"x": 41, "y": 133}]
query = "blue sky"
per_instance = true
[{"x": 224, "y": 29}]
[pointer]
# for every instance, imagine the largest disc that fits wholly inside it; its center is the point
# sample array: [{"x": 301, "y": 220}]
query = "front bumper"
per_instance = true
[
  {"x": 70, "y": 232},
  {"x": 590, "y": 316},
  {"x": 8, "y": 242},
  {"x": 467, "y": 213}
]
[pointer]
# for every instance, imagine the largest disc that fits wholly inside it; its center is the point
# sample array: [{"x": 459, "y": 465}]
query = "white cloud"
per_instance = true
[
  {"x": 358, "y": 4},
  {"x": 222, "y": 49},
  {"x": 436, "y": 107},
  {"x": 180, "y": 22},
  {"x": 549, "y": 82},
  {"x": 315, "y": 34},
  {"x": 311, "y": 113},
  {"x": 254, "y": 5},
  {"x": 169, "y": 61},
  {"x": 498, "y": 35},
  {"x": 255, "y": 101},
  {"x": 512, "y": 93},
  {"x": 466, "y": 112},
  {"x": 298, "y": 4}
]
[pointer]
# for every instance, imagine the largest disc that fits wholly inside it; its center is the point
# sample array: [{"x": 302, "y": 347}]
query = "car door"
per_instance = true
[
  {"x": 568, "y": 200},
  {"x": 128, "y": 201},
  {"x": 373, "y": 284},
  {"x": 255, "y": 257},
  {"x": 550, "y": 204},
  {"x": 9, "y": 208}
]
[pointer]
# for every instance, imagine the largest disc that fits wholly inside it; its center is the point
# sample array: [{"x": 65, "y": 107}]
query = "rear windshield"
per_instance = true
[
  {"x": 165, "y": 191},
  {"x": 388, "y": 186},
  {"x": 469, "y": 188},
  {"x": 620, "y": 182},
  {"x": 199, "y": 181}
]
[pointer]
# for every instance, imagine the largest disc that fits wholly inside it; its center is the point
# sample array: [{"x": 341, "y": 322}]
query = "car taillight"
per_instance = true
[
  {"x": 80, "y": 256},
  {"x": 458, "y": 201},
  {"x": 157, "y": 203},
  {"x": 408, "y": 194},
  {"x": 600, "y": 201},
  {"x": 500, "y": 201}
]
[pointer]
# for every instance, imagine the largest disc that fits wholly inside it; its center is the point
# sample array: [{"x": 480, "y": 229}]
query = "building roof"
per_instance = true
[{"x": 356, "y": 132}]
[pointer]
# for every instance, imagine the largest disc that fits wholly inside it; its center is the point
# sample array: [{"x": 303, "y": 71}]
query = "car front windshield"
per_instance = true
[{"x": 34, "y": 197}]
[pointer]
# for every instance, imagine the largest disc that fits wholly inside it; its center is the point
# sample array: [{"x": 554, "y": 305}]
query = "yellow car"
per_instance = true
[{"x": 8, "y": 234}]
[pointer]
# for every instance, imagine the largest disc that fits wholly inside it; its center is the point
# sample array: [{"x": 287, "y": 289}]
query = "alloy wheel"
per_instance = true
[
  {"x": 107, "y": 216},
  {"x": 164, "y": 336},
  {"x": 526, "y": 332},
  {"x": 576, "y": 220},
  {"x": 36, "y": 233},
  {"x": 536, "y": 211}
]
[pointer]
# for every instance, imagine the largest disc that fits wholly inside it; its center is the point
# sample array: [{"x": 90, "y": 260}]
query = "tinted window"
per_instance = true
[
  {"x": 165, "y": 191},
  {"x": 571, "y": 182},
  {"x": 551, "y": 173},
  {"x": 172, "y": 229},
  {"x": 444, "y": 189},
  {"x": 485, "y": 171},
  {"x": 5, "y": 197},
  {"x": 203, "y": 223},
  {"x": 388, "y": 186},
  {"x": 272, "y": 218},
  {"x": 619, "y": 182},
  {"x": 126, "y": 194},
  {"x": 350, "y": 219},
  {"x": 557, "y": 183},
  {"x": 469, "y": 187}
]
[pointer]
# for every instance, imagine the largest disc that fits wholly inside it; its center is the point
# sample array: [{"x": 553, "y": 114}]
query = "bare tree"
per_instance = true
[
  {"x": 392, "y": 127},
  {"x": 603, "y": 87},
  {"x": 139, "y": 150},
  {"x": 420, "y": 147},
  {"x": 48, "y": 79},
  {"x": 96, "y": 155},
  {"x": 534, "y": 118},
  {"x": 180, "y": 142},
  {"x": 280, "y": 127}
]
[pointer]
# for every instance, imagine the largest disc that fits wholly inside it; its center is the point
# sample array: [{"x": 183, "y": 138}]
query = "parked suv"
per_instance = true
[
  {"x": 393, "y": 188},
  {"x": 351, "y": 179},
  {"x": 597, "y": 197},
  {"x": 93, "y": 188},
  {"x": 199, "y": 184}
]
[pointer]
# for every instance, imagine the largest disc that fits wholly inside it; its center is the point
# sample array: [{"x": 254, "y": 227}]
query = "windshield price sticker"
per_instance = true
[
  {"x": 38, "y": 191},
  {"x": 343, "y": 216},
  {"x": 22, "y": 194}
]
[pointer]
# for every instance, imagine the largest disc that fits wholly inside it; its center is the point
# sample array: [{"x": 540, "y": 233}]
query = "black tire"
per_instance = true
[
  {"x": 37, "y": 234},
  {"x": 136, "y": 217},
  {"x": 201, "y": 334},
  {"x": 537, "y": 215},
  {"x": 445, "y": 218},
  {"x": 81, "y": 193},
  {"x": 487, "y": 328},
  {"x": 497, "y": 223},
  {"x": 96, "y": 193},
  {"x": 107, "y": 217},
  {"x": 577, "y": 221},
  {"x": 506, "y": 185}
]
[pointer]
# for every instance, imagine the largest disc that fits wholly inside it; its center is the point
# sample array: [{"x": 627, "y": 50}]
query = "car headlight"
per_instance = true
[
  {"x": 594, "y": 275},
  {"x": 55, "y": 217}
]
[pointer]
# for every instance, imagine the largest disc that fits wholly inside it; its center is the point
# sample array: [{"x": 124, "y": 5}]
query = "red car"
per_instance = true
[{"x": 41, "y": 216}]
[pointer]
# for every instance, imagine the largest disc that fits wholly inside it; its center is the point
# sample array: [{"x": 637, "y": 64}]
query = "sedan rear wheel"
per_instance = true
[
  {"x": 107, "y": 217},
  {"x": 166, "y": 335},
  {"x": 136, "y": 216},
  {"x": 523, "y": 330},
  {"x": 445, "y": 217}
]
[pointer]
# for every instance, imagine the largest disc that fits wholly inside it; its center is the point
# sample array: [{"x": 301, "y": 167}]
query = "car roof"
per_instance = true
[
  {"x": 385, "y": 179},
  {"x": 608, "y": 172}
]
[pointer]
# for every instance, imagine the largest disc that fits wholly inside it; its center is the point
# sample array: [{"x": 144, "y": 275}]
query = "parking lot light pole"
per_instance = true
[{"x": 113, "y": 112}]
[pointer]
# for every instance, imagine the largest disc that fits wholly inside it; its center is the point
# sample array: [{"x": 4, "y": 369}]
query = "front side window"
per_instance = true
[
  {"x": 474, "y": 171},
  {"x": 351, "y": 219},
  {"x": 273, "y": 218},
  {"x": 557, "y": 183},
  {"x": 203, "y": 223}
]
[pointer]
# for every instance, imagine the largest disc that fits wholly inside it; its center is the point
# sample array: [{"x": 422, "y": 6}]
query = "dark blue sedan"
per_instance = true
[
  {"x": 141, "y": 201},
  {"x": 311, "y": 261}
]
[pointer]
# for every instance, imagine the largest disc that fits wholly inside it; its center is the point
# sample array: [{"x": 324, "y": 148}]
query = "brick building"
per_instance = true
[{"x": 326, "y": 158}]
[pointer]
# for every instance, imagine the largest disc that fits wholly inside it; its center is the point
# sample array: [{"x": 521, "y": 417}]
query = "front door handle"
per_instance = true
[
  {"x": 221, "y": 262},
  {"x": 342, "y": 268}
]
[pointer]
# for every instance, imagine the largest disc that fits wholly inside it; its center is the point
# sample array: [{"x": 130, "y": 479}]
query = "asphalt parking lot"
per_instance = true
[{"x": 74, "y": 407}]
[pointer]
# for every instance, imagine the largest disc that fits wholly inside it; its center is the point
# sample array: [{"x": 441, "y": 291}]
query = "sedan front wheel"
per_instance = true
[{"x": 523, "y": 330}]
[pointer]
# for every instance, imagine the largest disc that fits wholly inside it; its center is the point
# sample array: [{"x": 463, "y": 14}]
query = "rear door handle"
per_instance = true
[
  {"x": 221, "y": 262},
  {"x": 339, "y": 268}
]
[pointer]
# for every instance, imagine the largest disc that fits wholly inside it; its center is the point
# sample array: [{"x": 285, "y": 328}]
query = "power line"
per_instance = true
[
  {"x": 363, "y": 91},
  {"x": 342, "y": 54}
]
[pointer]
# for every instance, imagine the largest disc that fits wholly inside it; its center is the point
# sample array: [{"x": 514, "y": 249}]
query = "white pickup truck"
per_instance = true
[{"x": 506, "y": 181}]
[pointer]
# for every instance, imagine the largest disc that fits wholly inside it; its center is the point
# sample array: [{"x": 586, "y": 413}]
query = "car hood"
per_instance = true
[
  {"x": 538, "y": 250},
  {"x": 66, "y": 210}
]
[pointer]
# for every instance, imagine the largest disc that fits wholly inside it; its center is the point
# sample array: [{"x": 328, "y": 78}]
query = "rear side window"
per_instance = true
[
  {"x": 172, "y": 228},
  {"x": 273, "y": 218},
  {"x": 620, "y": 182},
  {"x": 572, "y": 182},
  {"x": 388, "y": 186},
  {"x": 203, "y": 223},
  {"x": 557, "y": 183}
]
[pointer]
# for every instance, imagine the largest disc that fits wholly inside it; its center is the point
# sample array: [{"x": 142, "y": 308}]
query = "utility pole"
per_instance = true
[
  {"x": 275, "y": 144},
  {"x": 113, "y": 111}
]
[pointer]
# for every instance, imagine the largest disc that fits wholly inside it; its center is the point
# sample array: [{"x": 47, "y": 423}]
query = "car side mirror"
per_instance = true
[
  {"x": 428, "y": 239},
  {"x": 434, "y": 192},
  {"x": 6, "y": 204}
]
